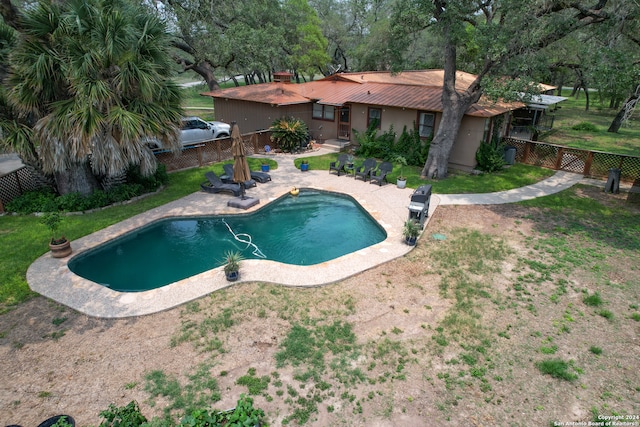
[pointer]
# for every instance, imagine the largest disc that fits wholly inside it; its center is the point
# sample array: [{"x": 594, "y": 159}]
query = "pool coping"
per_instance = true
[{"x": 387, "y": 204}]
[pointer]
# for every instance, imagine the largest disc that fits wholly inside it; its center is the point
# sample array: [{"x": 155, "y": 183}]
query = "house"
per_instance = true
[{"x": 333, "y": 106}]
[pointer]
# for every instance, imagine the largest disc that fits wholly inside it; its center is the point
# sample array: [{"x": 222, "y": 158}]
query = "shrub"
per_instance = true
[
  {"x": 289, "y": 133},
  {"x": 42, "y": 200},
  {"x": 557, "y": 368},
  {"x": 585, "y": 127},
  {"x": 490, "y": 157},
  {"x": 594, "y": 300}
]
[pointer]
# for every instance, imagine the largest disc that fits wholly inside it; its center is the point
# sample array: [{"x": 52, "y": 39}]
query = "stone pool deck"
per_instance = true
[{"x": 52, "y": 278}]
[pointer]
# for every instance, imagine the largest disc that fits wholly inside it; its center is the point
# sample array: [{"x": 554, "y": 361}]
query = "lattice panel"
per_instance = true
[
  {"x": 573, "y": 160},
  {"x": 602, "y": 162},
  {"x": 543, "y": 155},
  {"x": 15, "y": 183}
]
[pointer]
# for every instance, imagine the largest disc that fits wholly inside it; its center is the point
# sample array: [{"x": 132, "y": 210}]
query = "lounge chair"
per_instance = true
[
  {"x": 380, "y": 174},
  {"x": 339, "y": 165},
  {"x": 261, "y": 177},
  {"x": 215, "y": 185},
  {"x": 228, "y": 176},
  {"x": 365, "y": 169}
]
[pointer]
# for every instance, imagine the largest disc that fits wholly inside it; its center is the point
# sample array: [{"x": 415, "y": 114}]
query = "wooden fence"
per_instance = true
[
  {"x": 592, "y": 164},
  {"x": 214, "y": 151}
]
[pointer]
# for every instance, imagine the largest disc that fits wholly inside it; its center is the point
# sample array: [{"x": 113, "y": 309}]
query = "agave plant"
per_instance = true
[{"x": 289, "y": 133}]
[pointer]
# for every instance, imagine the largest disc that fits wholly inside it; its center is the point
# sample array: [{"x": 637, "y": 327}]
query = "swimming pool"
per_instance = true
[{"x": 314, "y": 227}]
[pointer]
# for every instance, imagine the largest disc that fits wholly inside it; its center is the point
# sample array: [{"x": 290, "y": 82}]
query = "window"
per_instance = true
[
  {"x": 323, "y": 112},
  {"x": 375, "y": 116},
  {"x": 426, "y": 122}
]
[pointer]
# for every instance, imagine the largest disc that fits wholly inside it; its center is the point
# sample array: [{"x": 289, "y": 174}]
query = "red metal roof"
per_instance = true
[{"x": 419, "y": 90}]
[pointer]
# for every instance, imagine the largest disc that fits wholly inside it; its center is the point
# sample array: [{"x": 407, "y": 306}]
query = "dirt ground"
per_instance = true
[{"x": 407, "y": 367}]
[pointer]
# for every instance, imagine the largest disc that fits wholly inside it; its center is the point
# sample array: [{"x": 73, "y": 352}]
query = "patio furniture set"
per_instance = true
[{"x": 367, "y": 170}]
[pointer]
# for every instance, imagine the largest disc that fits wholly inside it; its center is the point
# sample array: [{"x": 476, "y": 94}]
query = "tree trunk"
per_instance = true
[
  {"x": 619, "y": 118},
  {"x": 77, "y": 179},
  {"x": 454, "y": 105}
]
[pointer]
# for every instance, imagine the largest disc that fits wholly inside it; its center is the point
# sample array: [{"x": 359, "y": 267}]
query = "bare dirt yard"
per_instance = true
[{"x": 521, "y": 315}]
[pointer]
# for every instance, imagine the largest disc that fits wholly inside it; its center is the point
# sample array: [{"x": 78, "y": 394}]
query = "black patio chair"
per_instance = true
[
  {"x": 365, "y": 169},
  {"x": 339, "y": 165},
  {"x": 228, "y": 176},
  {"x": 380, "y": 174},
  {"x": 215, "y": 185}
]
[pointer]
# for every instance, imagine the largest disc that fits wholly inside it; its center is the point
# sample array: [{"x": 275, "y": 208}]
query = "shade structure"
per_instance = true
[{"x": 241, "y": 171}]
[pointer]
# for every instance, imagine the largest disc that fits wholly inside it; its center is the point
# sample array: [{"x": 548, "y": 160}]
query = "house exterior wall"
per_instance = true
[{"x": 253, "y": 116}]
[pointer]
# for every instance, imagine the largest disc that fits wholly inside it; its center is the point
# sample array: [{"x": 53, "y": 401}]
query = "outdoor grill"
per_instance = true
[{"x": 419, "y": 205}]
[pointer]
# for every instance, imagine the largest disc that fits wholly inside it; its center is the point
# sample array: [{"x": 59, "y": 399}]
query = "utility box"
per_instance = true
[
  {"x": 510, "y": 155},
  {"x": 419, "y": 205}
]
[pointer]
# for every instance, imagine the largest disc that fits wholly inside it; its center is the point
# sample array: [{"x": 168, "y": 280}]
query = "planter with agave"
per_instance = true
[
  {"x": 232, "y": 265},
  {"x": 410, "y": 231}
]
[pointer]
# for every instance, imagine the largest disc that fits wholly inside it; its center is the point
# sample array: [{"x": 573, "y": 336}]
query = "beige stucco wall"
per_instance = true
[{"x": 254, "y": 116}]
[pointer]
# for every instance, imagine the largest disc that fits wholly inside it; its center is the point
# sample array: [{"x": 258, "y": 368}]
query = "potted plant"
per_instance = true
[
  {"x": 265, "y": 166},
  {"x": 401, "y": 180},
  {"x": 232, "y": 265},
  {"x": 58, "y": 244},
  {"x": 410, "y": 231},
  {"x": 304, "y": 166},
  {"x": 58, "y": 421}
]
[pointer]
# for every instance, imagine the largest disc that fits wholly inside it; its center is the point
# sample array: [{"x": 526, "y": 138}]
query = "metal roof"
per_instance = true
[{"x": 417, "y": 90}]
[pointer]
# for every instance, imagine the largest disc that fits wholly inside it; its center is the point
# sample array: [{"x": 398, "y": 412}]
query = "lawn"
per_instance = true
[{"x": 572, "y": 112}]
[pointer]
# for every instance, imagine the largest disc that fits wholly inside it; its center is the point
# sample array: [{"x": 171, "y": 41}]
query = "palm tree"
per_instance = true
[{"x": 92, "y": 78}]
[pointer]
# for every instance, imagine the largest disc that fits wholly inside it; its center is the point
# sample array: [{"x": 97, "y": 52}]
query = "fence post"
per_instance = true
[
  {"x": 1, "y": 207},
  {"x": 559, "y": 157},
  {"x": 218, "y": 150},
  {"x": 199, "y": 154},
  {"x": 587, "y": 164},
  {"x": 527, "y": 151}
]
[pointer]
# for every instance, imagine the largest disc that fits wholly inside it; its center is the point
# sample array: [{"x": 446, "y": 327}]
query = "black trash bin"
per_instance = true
[
  {"x": 510, "y": 155},
  {"x": 613, "y": 182}
]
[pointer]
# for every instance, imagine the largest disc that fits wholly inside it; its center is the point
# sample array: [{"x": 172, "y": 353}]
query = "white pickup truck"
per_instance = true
[{"x": 194, "y": 130}]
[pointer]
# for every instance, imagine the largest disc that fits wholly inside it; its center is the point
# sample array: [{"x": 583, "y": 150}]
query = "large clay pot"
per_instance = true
[{"x": 60, "y": 250}]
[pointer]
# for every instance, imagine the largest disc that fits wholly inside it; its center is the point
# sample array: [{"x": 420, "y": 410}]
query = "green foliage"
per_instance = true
[
  {"x": 595, "y": 350},
  {"x": 45, "y": 200},
  {"x": 372, "y": 145},
  {"x": 232, "y": 261},
  {"x": 289, "y": 133},
  {"x": 124, "y": 416},
  {"x": 412, "y": 147},
  {"x": 243, "y": 415},
  {"x": 411, "y": 228},
  {"x": 593, "y": 300},
  {"x": 490, "y": 157},
  {"x": 62, "y": 422},
  {"x": 52, "y": 221},
  {"x": 558, "y": 368},
  {"x": 256, "y": 385},
  {"x": 585, "y": 127}
]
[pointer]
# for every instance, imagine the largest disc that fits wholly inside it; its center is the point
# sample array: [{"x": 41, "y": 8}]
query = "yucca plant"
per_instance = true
[{"x": 289, "y": 133}]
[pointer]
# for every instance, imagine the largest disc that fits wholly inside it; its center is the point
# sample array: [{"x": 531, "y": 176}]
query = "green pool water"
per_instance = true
[{"x": 313, "y": 227}]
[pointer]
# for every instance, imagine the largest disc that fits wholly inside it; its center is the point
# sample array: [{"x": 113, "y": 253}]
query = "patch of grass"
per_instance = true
[
  {"x": 607, "y": 314},
  {"x": 549, "y": 350},
  {"x": 636, "y": 317},
  {"x": 200, "y": 390},
  {"x": 59, "y": 321},
  {"x": 256, "y": 385},
  {"x": 558, "y": 368},
  {"x": 595, "y": 350},
  {"x": 593, "y": 300}
]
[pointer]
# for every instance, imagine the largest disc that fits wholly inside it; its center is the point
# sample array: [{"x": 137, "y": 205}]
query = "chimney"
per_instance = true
[{"x": 282, "y": 77}]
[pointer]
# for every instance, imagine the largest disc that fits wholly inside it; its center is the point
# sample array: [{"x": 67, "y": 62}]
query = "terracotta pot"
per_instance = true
[{"x": 60, "y": 250}]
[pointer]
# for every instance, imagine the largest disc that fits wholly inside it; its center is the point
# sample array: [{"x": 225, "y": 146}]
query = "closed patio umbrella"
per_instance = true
[{"x": 241, "y": 171}]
